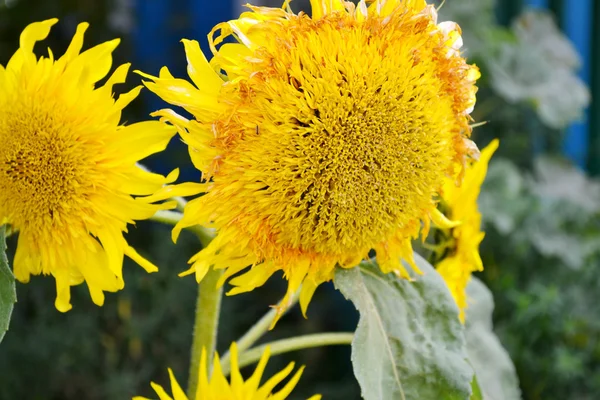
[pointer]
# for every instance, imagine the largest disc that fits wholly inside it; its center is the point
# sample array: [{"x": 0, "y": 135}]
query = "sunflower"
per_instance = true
[
  {"x": 68, "y": 169},
  {"x": 320, "y": 138},
  {"x": 462, "y": 244},
  {"x": 217, "y": 387}
]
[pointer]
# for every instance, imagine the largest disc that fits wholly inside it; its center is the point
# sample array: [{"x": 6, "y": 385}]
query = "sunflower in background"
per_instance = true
[
  {"x": 218, "y": 388},
  {"x": 68, "y": 170},
  {"x": 320, "y": 138},
  {"x": 460, "y": 244}
]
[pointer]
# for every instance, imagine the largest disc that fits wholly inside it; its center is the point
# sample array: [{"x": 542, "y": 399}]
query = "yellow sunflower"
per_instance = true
[
  {"x": 68, "y": 169},
  {"x": 320, "y": 138},
  {"x": 217, "y": 387},
  {"x": 460, "y": 204}
]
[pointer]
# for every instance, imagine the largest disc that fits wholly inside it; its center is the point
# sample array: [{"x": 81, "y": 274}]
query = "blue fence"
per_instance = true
[
  {"x": 577, "y": 20},
  {"x": 160, "y": 24}
]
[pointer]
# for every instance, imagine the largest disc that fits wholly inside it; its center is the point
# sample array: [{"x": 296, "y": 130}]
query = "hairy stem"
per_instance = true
[
  {"x": 208, "y": 304},
  {"x": 206, "y": 325},
  {"x": 181, "y": 202}
]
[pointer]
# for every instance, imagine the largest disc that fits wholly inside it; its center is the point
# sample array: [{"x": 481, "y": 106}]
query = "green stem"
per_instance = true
[
  {"x": 206, "y": 324},
  {"x": 173, "y": 217},
  {"x": 208, "y": 304},
  {"x": 181, "y": 202},
  {"x": 292, "y": 344},
  {"x": 167, "y": 217},
  {"x": 257, "y": 330}
]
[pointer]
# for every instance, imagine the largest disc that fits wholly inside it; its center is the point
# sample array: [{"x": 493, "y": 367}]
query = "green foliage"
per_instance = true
[
  {"x": 540, "y": 67},
  {"x": 477, "y": 395},
  {"x": 529, "y": 88},
  {"x": 542, "y": 258},
  {"x": 8, "y": 292},
  {"x": 532, "y": 63},
  {"x": 495, "y": 372},
  {"x": 409, "y": 343},
  {"x": 541, "y": 251}
]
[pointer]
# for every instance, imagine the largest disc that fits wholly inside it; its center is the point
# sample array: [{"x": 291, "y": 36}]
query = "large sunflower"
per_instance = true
[
  {"x": 320, "y": 138},
  {"x": 68, "y": 169}
]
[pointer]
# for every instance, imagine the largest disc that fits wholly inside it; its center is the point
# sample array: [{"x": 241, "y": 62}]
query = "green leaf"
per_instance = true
[
  {"x": 477, "y": 395},
  {"x": 409, "y": 343},
  {"x": 540, "y": 68},
  {"x": 8, "y": 293},
  {"x": 494, "y": 369}
]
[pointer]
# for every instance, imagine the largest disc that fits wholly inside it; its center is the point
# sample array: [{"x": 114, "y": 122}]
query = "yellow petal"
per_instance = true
[
  {"x": 441, "y": 221},
  {"x": 289, "y": 386},
  {"x": 236, "y": 377},
  {"x": 199, "y": 70},
  {"x": 93, "y": 64},
  {"x": 254, "y": 381},
  {"x": 178, "y": 393},
  {"x": 160, "y": 392},
  {"x": 274, "y": 381},
  {"x": 76, "y": 43},
  {"x": 203, "y": 386},
  {"x": 63, "y": 292},
  {"x": 306, "y": 293},
  {"x": 141, "y": 261},
  {"x": 35, "y": 32}
]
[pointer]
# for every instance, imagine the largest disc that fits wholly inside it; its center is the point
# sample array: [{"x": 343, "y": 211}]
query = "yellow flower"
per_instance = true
[
  {"x": 320, "y": 138},
  {"x": 217, "y": 387},
  {"x": 68, "y": 169},
  {"x": 460, "y": 204}
]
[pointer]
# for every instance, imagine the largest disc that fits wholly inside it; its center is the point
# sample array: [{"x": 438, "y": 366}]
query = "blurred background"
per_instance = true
[{"x": 540, "y": 61}]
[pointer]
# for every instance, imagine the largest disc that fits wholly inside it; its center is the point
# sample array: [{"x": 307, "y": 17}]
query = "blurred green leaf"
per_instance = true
[
  {"x": 476, "y": 31},
  {"x": 477, "y": 395},
  {"x": 8, "y": 293},
  {"x": 558, "y": 179},
  {"x": 409, "y": 343},
  {"x": 538, "y": 28},
  {"x": 496, "y": 376},
  {"x": 503, "y": 205},
  {"x": 542, "y": 267},
  {"x": 540, "y": 68}
]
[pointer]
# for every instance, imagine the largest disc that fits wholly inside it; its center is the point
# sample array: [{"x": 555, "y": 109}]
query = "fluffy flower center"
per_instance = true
[
  {"x": 320, "y": 139},
  {"x": 42, "y": 164},
  {"x": 352, "y": 133}
]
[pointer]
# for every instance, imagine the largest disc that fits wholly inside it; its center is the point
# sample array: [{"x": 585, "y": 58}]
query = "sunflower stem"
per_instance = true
[
  {"x": 167, "y": 217},
  {"x": 208, "y": 303},
  {"x": 173, "y": 217},
  {"x": 206, "y": 323},
  {"x": 290, "y": 344},
  {"x": 258, "y": 330},
  {"x": 181, "y": 202}
]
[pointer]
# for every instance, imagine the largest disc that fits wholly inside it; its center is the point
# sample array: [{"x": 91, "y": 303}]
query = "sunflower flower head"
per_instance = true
[
  {"x": 462, "y": 242},
  {"x": 218, "y": 388},
  {"x": 68, "y": 169},
  {"x": 320, "y": 137}
]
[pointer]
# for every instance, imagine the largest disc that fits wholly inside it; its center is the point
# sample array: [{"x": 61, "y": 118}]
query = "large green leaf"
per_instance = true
[
  {"x": 409, "y": 343},
  {"x": 495, "y": 371},
  {"x": 8, "y": 293}
]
